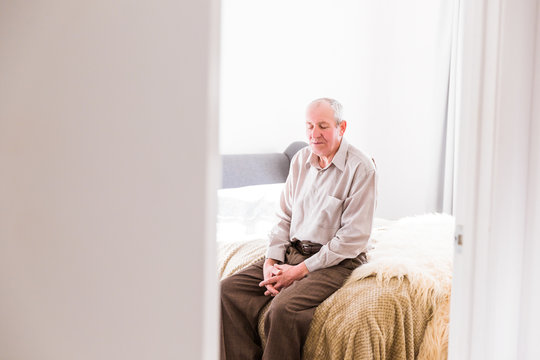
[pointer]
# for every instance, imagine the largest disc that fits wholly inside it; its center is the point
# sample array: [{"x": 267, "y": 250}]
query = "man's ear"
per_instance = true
[{"x": 342, "y": 127}]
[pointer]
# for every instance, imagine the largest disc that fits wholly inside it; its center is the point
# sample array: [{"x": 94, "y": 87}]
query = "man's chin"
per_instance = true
[{"x": 317, "y": 150}]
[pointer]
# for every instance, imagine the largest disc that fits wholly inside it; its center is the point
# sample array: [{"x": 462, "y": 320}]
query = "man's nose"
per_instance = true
[{"x": 315, "y": 132}]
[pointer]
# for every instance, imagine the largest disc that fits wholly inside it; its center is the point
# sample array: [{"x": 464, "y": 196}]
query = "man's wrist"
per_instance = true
[{"x": 302, "y": 269}]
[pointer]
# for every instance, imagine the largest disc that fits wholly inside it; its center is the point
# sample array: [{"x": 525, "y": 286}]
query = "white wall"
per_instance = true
[
  {"x": 387, "y": 62},
  {"x": 107, "y": 141}
]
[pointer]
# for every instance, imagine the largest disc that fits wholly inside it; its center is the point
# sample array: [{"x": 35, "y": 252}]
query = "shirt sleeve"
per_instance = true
[
  {"x": 279, "y": 236},
  {"x": 356, "y": 222}
]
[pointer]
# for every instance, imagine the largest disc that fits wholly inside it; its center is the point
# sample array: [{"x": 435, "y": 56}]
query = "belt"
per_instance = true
[{"x": 306, "y": 248}]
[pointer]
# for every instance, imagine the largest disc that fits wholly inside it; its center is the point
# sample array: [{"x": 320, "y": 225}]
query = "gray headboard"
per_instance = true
[{"x": 255, "y": 169}]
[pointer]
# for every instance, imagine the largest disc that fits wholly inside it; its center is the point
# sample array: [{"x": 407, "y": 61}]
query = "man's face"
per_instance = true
[{"x": 323, "y": 134}]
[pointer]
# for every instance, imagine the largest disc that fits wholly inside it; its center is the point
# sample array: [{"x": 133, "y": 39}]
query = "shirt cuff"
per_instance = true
[
  {"x": 313, "y": 263},
  {"x": 276, "y": 253}
]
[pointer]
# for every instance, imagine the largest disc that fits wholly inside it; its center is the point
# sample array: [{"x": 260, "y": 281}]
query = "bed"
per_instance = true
[{"x": 394, "y": 307}]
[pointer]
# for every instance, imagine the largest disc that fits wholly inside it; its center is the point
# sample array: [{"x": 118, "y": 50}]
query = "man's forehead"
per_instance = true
[
  {"x": 319, "y": 121},
  {"x": 320, "y": 117}
]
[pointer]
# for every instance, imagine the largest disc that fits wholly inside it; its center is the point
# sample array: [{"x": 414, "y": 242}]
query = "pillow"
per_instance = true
[{"x": 248, "y": 212}]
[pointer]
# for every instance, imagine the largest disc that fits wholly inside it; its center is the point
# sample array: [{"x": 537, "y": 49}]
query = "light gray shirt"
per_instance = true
[{"x": 333, "y": 206}]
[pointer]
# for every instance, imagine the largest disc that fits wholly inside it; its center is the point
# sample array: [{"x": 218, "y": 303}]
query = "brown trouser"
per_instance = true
[{"x": 289, "y": 316}]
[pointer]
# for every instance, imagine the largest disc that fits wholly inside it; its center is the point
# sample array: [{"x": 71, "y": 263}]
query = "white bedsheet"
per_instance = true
[{"x": 248, "y": 212}]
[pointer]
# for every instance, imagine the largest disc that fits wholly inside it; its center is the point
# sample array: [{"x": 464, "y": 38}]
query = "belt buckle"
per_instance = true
[{"x": 306, "y": 249}]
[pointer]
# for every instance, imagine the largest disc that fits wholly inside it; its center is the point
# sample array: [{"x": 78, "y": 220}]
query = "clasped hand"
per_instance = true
[{"x": 277, "y": 277}]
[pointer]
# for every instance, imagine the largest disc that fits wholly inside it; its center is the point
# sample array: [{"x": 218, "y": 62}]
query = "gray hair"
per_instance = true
[{"x": 334, "y": 104}]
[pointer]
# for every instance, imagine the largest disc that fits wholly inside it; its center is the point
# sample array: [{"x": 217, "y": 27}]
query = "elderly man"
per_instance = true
[{"x": 325, "y": 219}]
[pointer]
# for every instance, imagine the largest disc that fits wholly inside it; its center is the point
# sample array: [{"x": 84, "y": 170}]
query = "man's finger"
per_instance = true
[
  {"x": 269, "y": 281},
  {"x": 282, "y": 267},
  {"x": 271, "y": 290}
]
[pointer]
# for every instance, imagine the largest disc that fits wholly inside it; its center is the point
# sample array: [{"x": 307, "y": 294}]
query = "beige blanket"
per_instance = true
[{"x": 394, "y": 307}]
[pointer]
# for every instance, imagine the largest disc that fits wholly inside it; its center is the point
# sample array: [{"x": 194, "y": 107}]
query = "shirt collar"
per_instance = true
[
  {"x": 338, "y": 160},
  {"x": 341, "y": 155}
]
